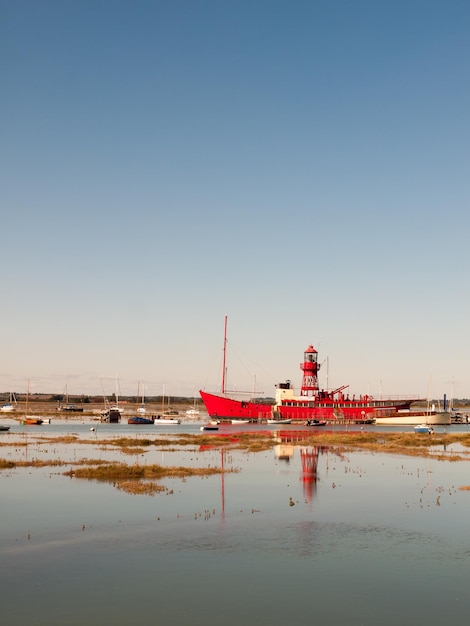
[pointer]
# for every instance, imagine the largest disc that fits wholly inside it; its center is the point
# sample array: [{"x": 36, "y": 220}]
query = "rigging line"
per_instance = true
[{"x": 254, "y": 363}]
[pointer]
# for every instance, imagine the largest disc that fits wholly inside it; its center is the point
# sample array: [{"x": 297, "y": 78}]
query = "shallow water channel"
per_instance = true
[{"x": 290, "y": 535}]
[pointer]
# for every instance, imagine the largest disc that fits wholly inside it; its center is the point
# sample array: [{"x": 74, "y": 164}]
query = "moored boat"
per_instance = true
[
  {"x": 32, "y": 421},
  {"x": 279, "y": 422},
  {"x": 313, "y": 403},
  {"x": 138, "y": 419},
  {"x": 423, "y": 428},
  {"x": 10, "y": 406},
  {"x": 4, "y": 428},
  {"x": 111, "y": 415},
  {"x": 162, "y": 420},
  {"x": 436, "y": 418},
  {"x": 7, "y": 408},
  {"x": 70, "y": 408},
  {"x": 192, "y": 412}
]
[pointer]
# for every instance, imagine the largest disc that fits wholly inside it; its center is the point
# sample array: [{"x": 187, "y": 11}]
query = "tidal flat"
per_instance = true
[{"x": 119, "y": 527}]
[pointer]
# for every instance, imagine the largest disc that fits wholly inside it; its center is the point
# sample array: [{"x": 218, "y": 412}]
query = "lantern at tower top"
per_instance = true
[{"x": 310, "y": 369}]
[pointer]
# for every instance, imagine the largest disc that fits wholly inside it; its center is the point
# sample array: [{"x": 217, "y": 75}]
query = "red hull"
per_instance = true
[
  {"x": 219, "y": 406},
  {"x": 305, "y": 409}
]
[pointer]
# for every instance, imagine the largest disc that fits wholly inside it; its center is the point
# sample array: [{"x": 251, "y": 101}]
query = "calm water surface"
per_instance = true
[{"x": 296, "y": 535}]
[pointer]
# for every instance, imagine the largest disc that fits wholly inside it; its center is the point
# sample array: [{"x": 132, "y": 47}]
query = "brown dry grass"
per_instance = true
[{"x": 119, "y": 471}]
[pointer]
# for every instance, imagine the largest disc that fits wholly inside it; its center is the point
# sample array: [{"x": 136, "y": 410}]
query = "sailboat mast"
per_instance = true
[
  {"x": 225, "y": 355},
  {"x": 27, "y": 398}
]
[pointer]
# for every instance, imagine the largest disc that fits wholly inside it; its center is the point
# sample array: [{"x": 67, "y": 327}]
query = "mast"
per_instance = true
[
  {"x": 225, "y": 355},
  {"x": 27, "y": 398}
]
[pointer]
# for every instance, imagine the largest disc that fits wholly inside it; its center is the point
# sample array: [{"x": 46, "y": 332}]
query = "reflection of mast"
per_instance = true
[
  {"x": 225, "y": 356},
  {"x": 222, "y": 454},
  {"x": 309, "y": 458}
]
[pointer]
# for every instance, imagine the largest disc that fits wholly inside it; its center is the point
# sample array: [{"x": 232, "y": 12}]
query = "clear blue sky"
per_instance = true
[{"x": 301, "y": 166}]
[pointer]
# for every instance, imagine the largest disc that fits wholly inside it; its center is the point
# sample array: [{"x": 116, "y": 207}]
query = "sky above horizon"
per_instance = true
[{"x": 299, "y": 166}]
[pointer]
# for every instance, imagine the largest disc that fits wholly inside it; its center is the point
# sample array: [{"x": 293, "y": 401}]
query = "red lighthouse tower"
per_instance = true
[{"x": 310, "y": 369}]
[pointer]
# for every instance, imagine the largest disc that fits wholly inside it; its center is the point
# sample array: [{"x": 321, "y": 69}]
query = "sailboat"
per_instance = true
[
  {"x": 140, "y": 418},
  {"x": 141, "y": 409},
  {"x": 30, "y": 420},
  {"x": 168, "y": 417},
  {"x": 9, "y": 406},
  {"x": 111, "y": 414},
  {"x": 67, "y": 406},
  {"x": 193, "y": 411}
]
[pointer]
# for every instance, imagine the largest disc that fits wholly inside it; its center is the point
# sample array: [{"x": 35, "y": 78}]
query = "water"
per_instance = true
[{"x": 296, "y": 535}]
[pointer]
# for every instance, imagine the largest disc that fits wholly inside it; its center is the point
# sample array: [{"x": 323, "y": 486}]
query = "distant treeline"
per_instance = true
[
  {"x": 94, "y": 399},
  {"x": 84, "y": 399}
]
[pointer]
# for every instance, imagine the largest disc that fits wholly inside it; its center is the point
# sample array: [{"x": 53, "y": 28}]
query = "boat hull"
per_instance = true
[
  {"x": 70, "y": 408},
  {"x": 111, "y": 416},
  {"x": 417, "y": 417},
  {"x": 362, "y": 411},
  {"x": 423, "y": 428},
  {"x": 142, "y": 421},
  {"x": 7, "y": 408},
  {"x": 221, "y": 407}
]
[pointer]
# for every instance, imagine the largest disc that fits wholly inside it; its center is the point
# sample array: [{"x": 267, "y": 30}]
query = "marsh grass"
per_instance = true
[
  {"x": 146, "y": 479},
  {"x": 140, "y": 487},
  {"x": 140, "y": 479},
  {"x": 4, "y": 464},
  {"x": 119, "y": 471}
]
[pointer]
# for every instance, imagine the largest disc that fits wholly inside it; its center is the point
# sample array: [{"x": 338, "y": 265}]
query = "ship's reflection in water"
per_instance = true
[{"x": 309, "y": 455}]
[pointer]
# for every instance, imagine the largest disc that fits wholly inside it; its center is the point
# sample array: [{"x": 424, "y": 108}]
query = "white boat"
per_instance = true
[
  {"x": 411, "y": 418},
  {"x": 9, "y": 406},
  {"x": 423, "y": 428},
  {"x": 141, "y": 409},
  {"x": 279, "y": 422},
  {"x": 166, "y": 421},
  {"x": 240, "y": 421},
  {"x": 193, "y": 411},
  {"x": 168, "y": 416}
]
